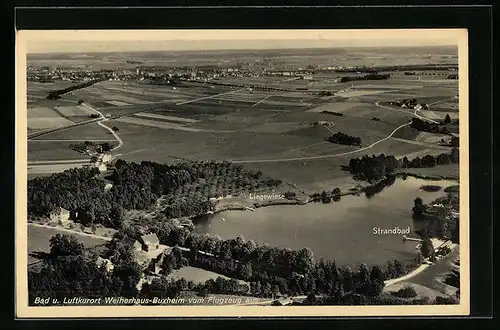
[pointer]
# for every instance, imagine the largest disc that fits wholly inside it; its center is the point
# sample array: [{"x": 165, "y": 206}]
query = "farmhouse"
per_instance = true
[
  {"x": 150, "y": 242},
  {"x": 60, "y": 216},
  {"x": 157, "y": 262},
  {"x": 131, "y": 243}
]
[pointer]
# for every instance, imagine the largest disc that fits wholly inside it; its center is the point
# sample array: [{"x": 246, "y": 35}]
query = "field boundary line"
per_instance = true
[{"x": 209, "y": 97}]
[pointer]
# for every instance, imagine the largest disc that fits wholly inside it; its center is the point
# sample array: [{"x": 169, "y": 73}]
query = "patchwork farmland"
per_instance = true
[{"x": 203, "y": 121}]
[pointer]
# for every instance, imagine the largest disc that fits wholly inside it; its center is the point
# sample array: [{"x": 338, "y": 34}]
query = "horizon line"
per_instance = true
[{"x": 239, "y": 49}]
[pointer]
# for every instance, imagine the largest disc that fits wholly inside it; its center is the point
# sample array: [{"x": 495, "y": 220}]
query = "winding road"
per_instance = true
[
  {"x": 100, "y": 123},
  {"x": 322, "y": 156},
  {"x": 413, "y": 114}
]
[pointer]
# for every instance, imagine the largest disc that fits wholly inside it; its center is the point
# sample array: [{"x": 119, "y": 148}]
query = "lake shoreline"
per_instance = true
[
  {"x": 318, "y": 226},
  {"x": 353, "y": 191}
]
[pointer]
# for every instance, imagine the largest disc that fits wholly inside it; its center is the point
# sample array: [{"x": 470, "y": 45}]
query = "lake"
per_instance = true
[{"x": 341, "y": 231}]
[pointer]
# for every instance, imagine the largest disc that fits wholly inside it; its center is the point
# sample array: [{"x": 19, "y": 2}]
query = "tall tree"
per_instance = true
[
  {"x": 427, "y": 248},
  {"x": 447, "y": 119},
  {"x": 65, "y": 245},
  {"x": 364, "y": 285},
  {"x": 377, "y": 280}
]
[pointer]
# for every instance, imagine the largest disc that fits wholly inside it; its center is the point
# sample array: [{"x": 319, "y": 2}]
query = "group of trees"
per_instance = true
[
  {"x": 327, "y": 112},
  {"x": 407, "y": 103},
  {"x": 431, "y": 161},
  {"x": 221, "y": 286},
  {"x": 381, "y": 300},
  {"x": 405, "y": 292},
  {"x": 371, "y": 76},
  {"x": 342, "y": 138},
  {"x": 426, "y": 126},
  {"x": 376, "y": 188},
  {"x": 439, "y": 224},
  {"x": 187, "y": 188},
  {"x": 376, "y": 167},
  {"x": 327, "y": 197},
  {"x": 173, "y": 260},
  {"x": 72, "y": 271},
  {"x": 373, "y": 168},
  {"x": 54, "y": 95},
  {"x": 91, "y": 146},
  {"x": 162, "y": 287}
]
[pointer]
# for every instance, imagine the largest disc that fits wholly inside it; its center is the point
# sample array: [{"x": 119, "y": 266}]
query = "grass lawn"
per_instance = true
[
  {"x": 448, "y": 171},
  {"x": 39, "y": 240},
  {"x": 197, "y": 275}
]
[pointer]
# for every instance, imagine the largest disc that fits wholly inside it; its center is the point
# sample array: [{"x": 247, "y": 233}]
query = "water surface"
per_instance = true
[{"x": 342, "y": 231}]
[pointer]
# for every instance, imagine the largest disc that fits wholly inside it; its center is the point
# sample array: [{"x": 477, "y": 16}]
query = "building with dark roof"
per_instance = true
[
  {"x": 129, "y": 242},
  {"x": 150, "y": 242}
]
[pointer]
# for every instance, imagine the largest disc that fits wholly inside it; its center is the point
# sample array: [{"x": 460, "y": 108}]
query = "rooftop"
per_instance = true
[{"x": 150, "y": 238}]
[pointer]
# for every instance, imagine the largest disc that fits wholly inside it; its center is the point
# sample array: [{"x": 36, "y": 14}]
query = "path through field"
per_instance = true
[
  {"x": 414, "y": 114},
  {"x": 100, "y": 123}
]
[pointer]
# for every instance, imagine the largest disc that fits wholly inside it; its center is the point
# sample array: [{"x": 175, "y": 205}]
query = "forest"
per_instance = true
[
  {"x": 268, "y": 269},
  {"x": 71, "y": 271},
  {"x": 186, "y": 187}
]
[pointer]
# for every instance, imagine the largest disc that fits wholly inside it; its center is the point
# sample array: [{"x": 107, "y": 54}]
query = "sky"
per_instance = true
[{"x": 183, "y": 40}]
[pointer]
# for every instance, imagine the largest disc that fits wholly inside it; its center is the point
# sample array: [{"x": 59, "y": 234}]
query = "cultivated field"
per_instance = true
[{"x": 267, "y": 130}]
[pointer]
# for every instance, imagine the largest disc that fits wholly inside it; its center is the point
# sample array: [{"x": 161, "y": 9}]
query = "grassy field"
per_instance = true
[
  {"x": 39, "y": 240},
  {"x": 444, "y": 171},
  {"x": 52, "y": 150},
  {"x": 91, "y": 131},
  {"x": 197, "y": 275}
]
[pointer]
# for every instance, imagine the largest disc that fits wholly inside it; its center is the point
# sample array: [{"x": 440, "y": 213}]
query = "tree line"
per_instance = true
[
  {"x": 346, "y": 139},
  {"x": 54, "y": 95},
  {"x": 70, "y": 270},
  {"x": 371, "y": 76},
  {"x": 426, "y": 126},
  {"x": 187, "y": 188},
  {"x": 376, "y": 167},
  {"x": 271, "y": 270},
  {"x": 327, "y": 197}
]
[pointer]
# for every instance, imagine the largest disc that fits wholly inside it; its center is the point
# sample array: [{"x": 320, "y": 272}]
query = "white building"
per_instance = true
[
  {"x": 60, "y": 216},
  {"x": 106, "y": 262}
]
